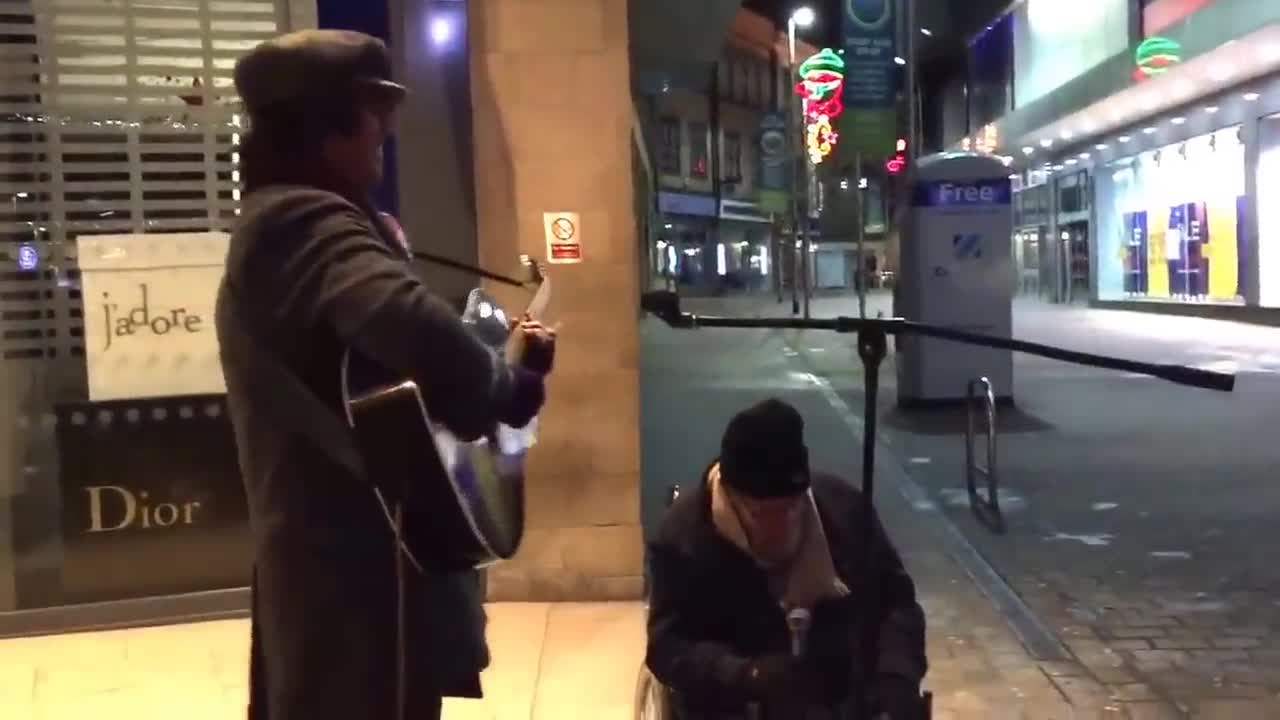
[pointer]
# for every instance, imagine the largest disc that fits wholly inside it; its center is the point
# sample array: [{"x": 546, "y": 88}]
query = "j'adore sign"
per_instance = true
[{"x": 148, "y": 313}]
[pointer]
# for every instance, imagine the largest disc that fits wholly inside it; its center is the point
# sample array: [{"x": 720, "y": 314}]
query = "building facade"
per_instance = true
[
  {"x": 712, "y": 234},
  {"x": 120, "y": 496},
  {"x": 1140, "y": 135},
  {"x": 721, "y": 225}
]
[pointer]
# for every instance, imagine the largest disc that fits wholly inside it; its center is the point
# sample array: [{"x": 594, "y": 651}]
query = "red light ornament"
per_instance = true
[{"x": 896, "y": 164}]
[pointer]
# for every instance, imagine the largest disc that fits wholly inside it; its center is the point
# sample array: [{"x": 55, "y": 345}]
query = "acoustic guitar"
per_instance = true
[{"x": 454, "y": 505}]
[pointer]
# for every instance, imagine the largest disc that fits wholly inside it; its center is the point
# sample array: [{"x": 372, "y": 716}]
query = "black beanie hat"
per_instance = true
[{"x": 762, "y": 453}]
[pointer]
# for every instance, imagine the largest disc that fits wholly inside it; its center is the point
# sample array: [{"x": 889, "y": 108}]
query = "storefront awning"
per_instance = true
[{"x": 1224, "y": 44}]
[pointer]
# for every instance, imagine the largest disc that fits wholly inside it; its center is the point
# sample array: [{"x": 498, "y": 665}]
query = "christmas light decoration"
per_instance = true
[
  {"x": 895, "y": 164},
  {"x": 821, "y": 85},
  {"x": 1155, "y": 56}
]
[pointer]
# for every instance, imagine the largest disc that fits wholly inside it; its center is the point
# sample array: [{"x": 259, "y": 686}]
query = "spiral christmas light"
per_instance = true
[
  {"x": 1155, "y": 56},
  {"x": 821, "y": 85}
]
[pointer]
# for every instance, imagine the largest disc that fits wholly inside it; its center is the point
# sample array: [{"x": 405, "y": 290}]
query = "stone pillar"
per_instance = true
[{"x": 552, "y": 121}]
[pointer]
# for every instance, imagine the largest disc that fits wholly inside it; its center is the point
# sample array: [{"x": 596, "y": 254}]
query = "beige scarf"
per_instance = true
[{"x": 810, "y": 576}]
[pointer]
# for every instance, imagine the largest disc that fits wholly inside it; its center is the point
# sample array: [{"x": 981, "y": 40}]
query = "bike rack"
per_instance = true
[{"x": 982, "y": 407}]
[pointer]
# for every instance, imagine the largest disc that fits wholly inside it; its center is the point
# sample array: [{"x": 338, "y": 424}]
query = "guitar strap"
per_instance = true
[{"x": 279, "y": 392}]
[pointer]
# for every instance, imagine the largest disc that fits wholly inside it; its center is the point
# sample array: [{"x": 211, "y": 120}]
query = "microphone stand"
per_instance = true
[
  {"x": 872, "y": 340},
  {"x": 433, "y": 259}
]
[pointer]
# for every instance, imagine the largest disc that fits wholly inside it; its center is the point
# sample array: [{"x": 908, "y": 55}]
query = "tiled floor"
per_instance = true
[
  {"x": 551, "y": 662},
  {"x": 565, "y": 661}
]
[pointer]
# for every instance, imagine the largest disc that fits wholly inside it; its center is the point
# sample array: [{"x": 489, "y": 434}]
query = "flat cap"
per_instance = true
[{"x": 312, "y": 64}]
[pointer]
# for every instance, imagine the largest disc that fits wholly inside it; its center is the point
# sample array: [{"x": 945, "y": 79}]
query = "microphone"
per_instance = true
[{"x": 798, "y": 623}]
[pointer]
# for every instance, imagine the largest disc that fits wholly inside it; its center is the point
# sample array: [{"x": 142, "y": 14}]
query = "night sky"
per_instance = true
[{"x": 825, "y": 32}]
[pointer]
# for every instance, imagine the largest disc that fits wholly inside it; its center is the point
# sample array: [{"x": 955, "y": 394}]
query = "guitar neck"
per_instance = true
[{"x": 537, "y": 308}]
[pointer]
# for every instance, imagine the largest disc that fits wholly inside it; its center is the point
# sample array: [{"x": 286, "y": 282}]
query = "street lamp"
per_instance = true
[{"x": 801, "y": 17}]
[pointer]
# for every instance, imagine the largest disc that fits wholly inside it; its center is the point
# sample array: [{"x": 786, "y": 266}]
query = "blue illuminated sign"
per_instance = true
[
  {"x": 28, "y": 257},
  {"x": 954, "y": 194}
]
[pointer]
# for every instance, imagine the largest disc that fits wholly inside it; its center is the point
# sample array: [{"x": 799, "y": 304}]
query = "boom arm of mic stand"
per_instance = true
[
  {"x": 463, "y": 267},
  {"x": 1180, "y": 374}
]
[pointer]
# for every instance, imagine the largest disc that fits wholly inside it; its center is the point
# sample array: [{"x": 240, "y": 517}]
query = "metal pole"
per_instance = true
[
  {"x": 806, "y": 255},
  {"x": 913, "y": 118},
  {"x": 805, "y": 250},
  {"x": 860, "y": 236},
  {"x": 794, "y": 173},
  {"x": 906, "y": 228}
]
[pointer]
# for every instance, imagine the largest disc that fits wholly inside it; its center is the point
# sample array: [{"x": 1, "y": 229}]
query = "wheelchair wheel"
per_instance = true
[{"x": 651, "y": 698}]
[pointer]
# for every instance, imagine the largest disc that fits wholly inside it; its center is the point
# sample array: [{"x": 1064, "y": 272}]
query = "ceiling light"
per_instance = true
[
  {"x": 1046, "y": 143},
  {"x": 1028, "y": 150},
  {"x": 900, "y": 60},
  {"x": 1084, "y": 156},
  {"x": 1211, "y": 109},
  {"x": 926, "y": 32},
  {"x": 1100, "y": 147},
  {"x": 1058, "y": 167},
  {"x": 1125, "y": 138},
  {"x": 1148, "y": 130},
  {"x": 1178, "y": 120},
  {"x": 1013, "y": 176},
  {"x": 1251, "y": 96},
  {"x": 1071, "y": 161}
]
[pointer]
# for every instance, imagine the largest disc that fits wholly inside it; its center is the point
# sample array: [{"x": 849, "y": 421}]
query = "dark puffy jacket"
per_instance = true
[{"x": 711, "y": 611}]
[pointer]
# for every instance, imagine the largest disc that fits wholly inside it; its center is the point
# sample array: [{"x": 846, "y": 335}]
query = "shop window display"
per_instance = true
[
  {"x": 1171, "y": 222},
  {"x": 1269, "y": 212}
]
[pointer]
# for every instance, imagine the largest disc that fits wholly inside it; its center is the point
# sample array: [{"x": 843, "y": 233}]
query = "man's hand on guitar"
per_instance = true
[{"x": 539, "y": 346}]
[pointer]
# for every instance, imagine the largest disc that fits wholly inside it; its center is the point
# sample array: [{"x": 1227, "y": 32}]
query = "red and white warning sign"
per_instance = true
[{"x": 563, "y": 242}]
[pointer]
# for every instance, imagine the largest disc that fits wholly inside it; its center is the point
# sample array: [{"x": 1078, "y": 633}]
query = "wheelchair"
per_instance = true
[{"x": 653, "y": 699}]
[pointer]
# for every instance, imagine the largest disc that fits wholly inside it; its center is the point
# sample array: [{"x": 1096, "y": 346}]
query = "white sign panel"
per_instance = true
[
  {"x": 148, "y": 313},
  {"x": 563, "y": 230},
  {"x": 964, "y": 280}
]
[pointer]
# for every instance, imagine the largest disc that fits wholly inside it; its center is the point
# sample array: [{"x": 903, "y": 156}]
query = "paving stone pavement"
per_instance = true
[{"x": 1139, "y": 514}]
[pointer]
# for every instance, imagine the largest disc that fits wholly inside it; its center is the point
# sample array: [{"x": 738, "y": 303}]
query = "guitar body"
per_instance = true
[{"x": 461, "y": 504}]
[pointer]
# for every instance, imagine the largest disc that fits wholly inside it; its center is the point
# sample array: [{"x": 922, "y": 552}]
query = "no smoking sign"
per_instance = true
[{"x": 563, "y": 231}]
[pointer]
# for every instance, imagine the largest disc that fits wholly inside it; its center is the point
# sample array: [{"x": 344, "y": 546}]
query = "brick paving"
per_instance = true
[{"x": 1140, "y": 514}]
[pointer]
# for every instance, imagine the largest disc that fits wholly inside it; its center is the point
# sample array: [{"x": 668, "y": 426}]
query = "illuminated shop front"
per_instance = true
[
  {"x": 1178, "y": 207},
  {"x": 702, "y": 251},
  {"x": 121, "y": 500},
  {"x": 1268, "y": 191},
  {"x": 1171, "y": 222}
]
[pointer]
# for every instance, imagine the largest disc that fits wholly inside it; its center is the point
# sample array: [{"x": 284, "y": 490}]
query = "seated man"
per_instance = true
[{"x": 759, "y": 537}]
